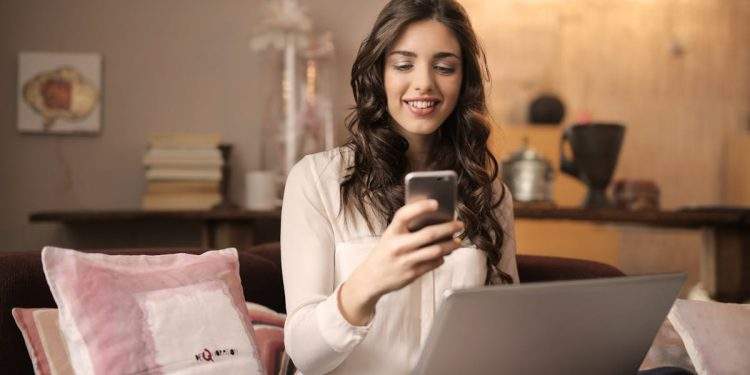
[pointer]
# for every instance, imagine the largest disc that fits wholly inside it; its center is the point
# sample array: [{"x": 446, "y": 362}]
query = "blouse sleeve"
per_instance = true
[
  {"x": 316, "y": 336},
  {"x": 505, "y": 215}
]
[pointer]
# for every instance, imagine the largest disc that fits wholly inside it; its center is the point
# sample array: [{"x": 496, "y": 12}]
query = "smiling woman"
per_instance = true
[
  {"x": 422, "y": 82},
  {"x": 418, "y": 84}
]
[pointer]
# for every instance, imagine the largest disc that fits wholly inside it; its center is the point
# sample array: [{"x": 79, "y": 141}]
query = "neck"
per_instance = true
[{"x": 419, "y": 149}]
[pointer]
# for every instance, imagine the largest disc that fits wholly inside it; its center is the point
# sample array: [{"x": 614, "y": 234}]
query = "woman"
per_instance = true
[{"x": 361, "y": 290}]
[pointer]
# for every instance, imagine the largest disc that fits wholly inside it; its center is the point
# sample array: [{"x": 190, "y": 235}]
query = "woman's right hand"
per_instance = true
[{"x": 399, "y": 258}]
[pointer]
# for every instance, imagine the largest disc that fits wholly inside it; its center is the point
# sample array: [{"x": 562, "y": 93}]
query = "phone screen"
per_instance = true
[{"x": 437, "y": 185}]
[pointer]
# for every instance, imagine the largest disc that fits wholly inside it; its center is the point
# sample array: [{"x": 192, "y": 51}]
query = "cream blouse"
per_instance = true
[{"x": 319, "y": 249}]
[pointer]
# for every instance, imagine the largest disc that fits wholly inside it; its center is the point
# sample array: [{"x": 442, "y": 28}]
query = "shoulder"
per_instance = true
[
  {"x": 315, "y": 180},
  {"x": 501, "y": 192},
  {"x": 322, "y": 167}
]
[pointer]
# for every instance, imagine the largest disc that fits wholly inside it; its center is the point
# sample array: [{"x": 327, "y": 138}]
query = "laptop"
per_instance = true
[{"x": 599, "y": 326}]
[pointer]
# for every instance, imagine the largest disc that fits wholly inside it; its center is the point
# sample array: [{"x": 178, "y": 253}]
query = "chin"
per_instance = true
[
  {"x": 421, "y": 129},
  {"x": 428, "y": 130}
]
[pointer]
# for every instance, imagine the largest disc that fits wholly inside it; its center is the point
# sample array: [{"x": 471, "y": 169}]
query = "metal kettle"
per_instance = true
[{"x": 528, "y": 175}]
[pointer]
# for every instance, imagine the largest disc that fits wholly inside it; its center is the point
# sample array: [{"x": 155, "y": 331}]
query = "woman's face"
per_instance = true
[{"x": 422, "y": 76}]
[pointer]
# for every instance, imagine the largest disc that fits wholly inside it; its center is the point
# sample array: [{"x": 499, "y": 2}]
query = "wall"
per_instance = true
[
  {"x": 168, "y": 65},
  {"x": 675, "y": 72}
]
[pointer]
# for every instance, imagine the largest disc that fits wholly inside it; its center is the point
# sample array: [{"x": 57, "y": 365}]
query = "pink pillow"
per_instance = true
[
  {"x": 716, "y": 335},
  {"x": 46, "y": 346},
  {"x": 176, "y": 313},
  {"x": 269, "y": 335},
  {"x": 49, "y": 354}
]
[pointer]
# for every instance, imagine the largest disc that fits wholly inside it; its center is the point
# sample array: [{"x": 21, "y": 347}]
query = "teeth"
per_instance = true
[{"x": 421, "y": 104}]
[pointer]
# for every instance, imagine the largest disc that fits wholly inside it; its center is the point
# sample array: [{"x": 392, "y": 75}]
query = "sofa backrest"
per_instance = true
[{"x": 22, "y": 284}]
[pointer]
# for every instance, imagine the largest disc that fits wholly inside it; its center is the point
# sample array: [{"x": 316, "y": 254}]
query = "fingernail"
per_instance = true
[{"x": 433, "y": 203}]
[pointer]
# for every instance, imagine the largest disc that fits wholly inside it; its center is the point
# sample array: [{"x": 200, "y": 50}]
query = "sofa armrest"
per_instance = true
[{"x": 534, "y": 268}]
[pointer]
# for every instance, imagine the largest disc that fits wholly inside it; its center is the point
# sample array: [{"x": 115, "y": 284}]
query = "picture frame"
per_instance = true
[{"x": 59, "y": 93}]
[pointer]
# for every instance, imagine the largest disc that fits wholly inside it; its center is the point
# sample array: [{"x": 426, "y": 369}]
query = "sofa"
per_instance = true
[{"x": 22, "y": 284}]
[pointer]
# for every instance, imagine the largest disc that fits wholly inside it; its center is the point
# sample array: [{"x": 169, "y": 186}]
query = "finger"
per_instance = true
[
  {"x": 432, "y": 252},
  {"x": 408, "y": 212},
  {"x": 424, "y": 267},
  {"x": 429, "y": 235}
]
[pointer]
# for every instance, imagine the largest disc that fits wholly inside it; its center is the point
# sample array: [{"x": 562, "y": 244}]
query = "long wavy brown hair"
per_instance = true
[{"x": 374, "y": 182}]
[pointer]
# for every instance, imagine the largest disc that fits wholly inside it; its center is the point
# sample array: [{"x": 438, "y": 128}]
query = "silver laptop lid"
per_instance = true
[{"x": 599, "y": 326}]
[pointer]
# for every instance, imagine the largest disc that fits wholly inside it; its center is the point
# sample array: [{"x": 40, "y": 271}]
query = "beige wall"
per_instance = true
[
  {"x": 168, "y": 65},
  {"x": 617, "y": 60},
  {"x": 676, "y": 73}
]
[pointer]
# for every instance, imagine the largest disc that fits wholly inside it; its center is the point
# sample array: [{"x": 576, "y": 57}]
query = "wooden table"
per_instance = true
[
  {"x": 725, "y": 262},
  {"x": 219, "y": 228}
]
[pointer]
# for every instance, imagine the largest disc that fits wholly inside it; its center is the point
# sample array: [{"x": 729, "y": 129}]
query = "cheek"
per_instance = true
[
  {"x": 392, "y": 89},
  {"x": 451, "y": 90}
]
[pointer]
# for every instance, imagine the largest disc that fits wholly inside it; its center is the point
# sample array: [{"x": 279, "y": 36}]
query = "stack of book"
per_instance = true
[{"x": 183, "y": 172}]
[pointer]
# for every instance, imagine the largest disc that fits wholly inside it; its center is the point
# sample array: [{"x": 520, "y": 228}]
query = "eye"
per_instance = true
[
  {"x": 444, "y": 69},
  {"x": 402, "y": 67}
]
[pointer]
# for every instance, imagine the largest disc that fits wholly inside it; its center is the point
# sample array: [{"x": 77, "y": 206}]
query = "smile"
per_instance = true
[{"x": 421, "y": 108}]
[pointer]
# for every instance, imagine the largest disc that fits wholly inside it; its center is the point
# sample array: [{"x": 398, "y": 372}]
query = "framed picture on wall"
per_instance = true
[{"x": 59, "y": 93}]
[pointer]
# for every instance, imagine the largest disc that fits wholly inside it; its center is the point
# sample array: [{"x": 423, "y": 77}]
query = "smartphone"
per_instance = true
[{"x": 437, "y": 185}]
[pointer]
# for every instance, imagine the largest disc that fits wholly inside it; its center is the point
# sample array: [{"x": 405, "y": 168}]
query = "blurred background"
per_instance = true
[{"x": 675, "y": 73}]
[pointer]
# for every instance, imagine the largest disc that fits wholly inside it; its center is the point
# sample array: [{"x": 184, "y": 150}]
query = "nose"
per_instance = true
[{"x": 424, "y": 81}]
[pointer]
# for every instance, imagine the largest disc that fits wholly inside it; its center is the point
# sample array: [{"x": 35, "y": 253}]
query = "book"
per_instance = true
[
  {"x": 197, "y": 154},
  {"x": 157, "y": 174},
  {"x": 182, "y": 164},
  {"x": 182, "y": 140},
  {"x": 178, "y": 186},
  {"x": 180, "y": 201}
]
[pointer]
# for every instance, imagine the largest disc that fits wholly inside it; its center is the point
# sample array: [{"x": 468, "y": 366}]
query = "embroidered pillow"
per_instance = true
[
  {"x": 175, "y": 313},
  {"x": 49, "y": 354}
]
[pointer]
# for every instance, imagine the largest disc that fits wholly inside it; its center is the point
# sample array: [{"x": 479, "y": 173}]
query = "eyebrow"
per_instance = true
[{"x": 439, "y": 55}]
